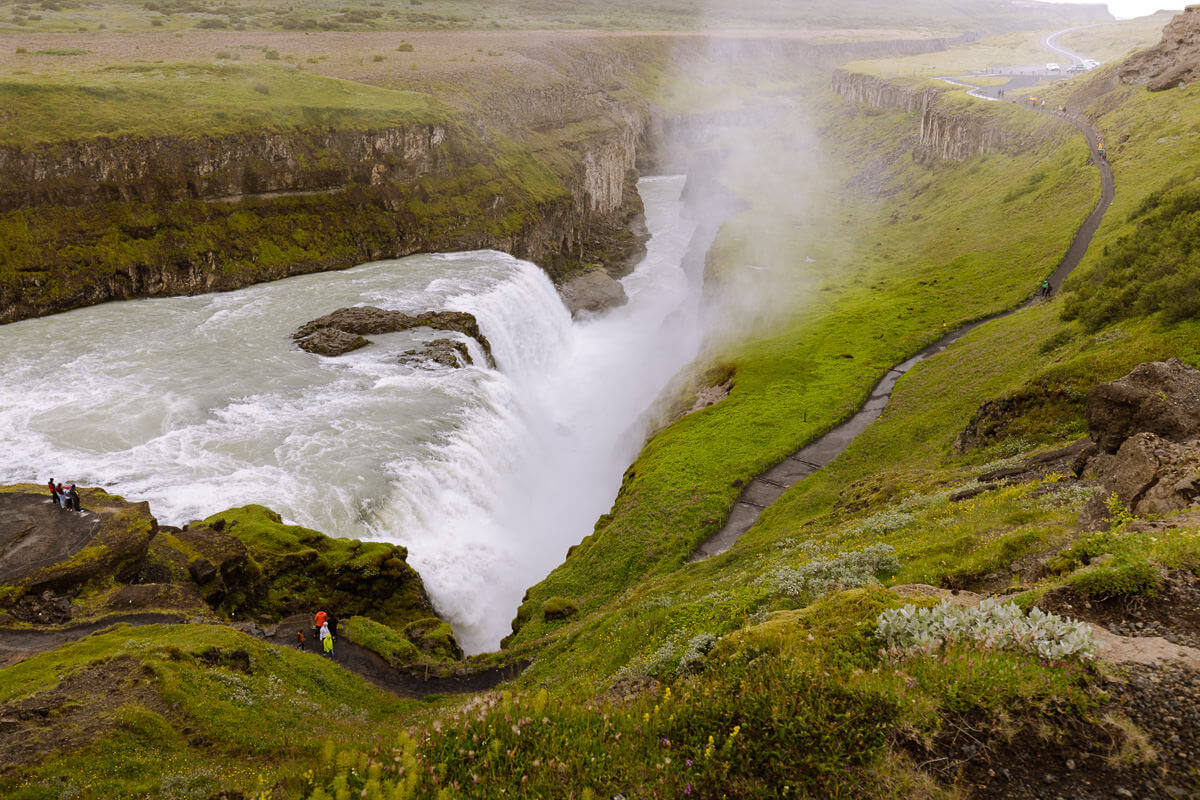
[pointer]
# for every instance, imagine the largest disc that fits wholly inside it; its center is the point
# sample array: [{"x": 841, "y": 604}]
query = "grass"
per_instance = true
[
  {"x": 171, "y": 679},
  {"x": 361, "y": 15},
  {"x": 808, "y": 683},
  {"x": 885, "y": 251},
  {"x": 796, "y": 383},
  {"x": 183, "y": 100}
]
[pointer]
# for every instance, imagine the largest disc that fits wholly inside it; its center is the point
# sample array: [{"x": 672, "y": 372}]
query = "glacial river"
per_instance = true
[{"x": 199, "y": 404}]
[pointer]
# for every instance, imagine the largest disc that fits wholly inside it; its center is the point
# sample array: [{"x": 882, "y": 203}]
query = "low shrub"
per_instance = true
[
  {"x": 847, "y": 570},
  {"x": 994, "y": 625},
  {"x": 1116, "y": 576}
]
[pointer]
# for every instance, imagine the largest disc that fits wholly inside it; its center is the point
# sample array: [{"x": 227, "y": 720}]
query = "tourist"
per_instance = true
[
  {"x": 327, "y": 641},
  {"x": 318, "y": 623},
  {"x": 73, "y": 499},
  {"x": 53, "y": 492},
  {"x": 62, "y": 496},
  {"x": 300, "y": 638}
]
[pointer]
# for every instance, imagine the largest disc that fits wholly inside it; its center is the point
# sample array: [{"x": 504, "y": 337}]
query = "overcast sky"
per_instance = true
[{"x": 1124, "y": 9}]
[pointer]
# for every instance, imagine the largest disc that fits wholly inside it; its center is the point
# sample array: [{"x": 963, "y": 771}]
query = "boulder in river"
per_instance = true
[
  {"x": 444, "y": 352},
  {"x": 357, "y": 321},
  {"x": 332, "y": 342},
  {"x": 593, "y": 291}
]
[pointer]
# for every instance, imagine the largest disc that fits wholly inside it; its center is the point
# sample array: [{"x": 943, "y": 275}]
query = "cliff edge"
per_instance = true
[{"x": 1174, "y": 61}]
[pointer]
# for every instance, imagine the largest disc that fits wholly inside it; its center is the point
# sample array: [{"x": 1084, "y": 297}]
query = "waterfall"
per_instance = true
[{"x": 197, "y": 404}]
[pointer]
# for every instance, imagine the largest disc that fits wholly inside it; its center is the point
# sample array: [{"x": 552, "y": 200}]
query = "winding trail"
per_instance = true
[
  {"x": 17, "y": 644},
  {"x": 765, "y": 488}
]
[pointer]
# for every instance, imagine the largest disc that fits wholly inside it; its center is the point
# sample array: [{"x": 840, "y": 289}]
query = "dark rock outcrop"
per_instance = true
[
  {"x": 1146, "y": 430},
  {"x": 346, "y": 326},
  {"x": 1174, "y": 61},
  {"x": 331, "y": 342},
  {"x": 443, "y": 352},
  {"x": 1159, "y": 397},
  {"x": 594, "y": 291}
]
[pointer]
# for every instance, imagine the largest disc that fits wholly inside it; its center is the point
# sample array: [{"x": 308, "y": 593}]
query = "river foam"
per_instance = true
[{"x": 201, "y": 403}]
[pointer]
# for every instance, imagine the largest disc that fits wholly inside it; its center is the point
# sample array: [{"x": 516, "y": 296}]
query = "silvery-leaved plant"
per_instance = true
[
  {"x": 911, "y": 630},
  {"x": 842, "y": 571}
]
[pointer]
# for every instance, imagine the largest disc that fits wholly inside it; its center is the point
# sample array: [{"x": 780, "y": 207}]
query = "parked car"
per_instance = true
[
  {"x": 1090, "y": 63},
  {"x": 1076, "y": 68},
  {"x": 1052, "y": 67}
]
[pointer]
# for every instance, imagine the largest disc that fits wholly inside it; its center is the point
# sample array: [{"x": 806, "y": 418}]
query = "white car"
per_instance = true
[
  {"x": 1052, "y": 67},
  {"x": 1090, "y": 63}
]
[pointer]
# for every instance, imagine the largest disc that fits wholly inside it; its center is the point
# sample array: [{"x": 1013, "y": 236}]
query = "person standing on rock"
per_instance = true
[
  {"x": 53, "y": 491},
  {"x": 73, "y": 499},
  {"x": 62, "y": 496}
]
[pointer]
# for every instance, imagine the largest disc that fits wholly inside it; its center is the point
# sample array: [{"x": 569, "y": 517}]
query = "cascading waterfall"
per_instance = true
[{"x": 201, "y": 403}]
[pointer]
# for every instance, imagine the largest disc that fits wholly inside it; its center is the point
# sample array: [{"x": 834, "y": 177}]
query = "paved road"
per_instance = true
[
  {"x": 766, "y": 488},
  {"x": 1051, "y": 43}
]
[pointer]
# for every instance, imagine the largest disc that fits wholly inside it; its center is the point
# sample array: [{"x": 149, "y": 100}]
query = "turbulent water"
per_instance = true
[{"x": 198, "y": 404}]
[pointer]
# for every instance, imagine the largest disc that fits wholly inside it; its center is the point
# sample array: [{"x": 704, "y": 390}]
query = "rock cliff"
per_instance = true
[
  {"x": 123, "y": 217},
  {"x": 949, "y": 133},
  {"x": 1174, "y": 61}
]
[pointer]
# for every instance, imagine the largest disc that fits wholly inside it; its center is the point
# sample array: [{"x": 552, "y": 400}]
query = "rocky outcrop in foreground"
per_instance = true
[
  {"x": 343, "y": 330},
  {"x": 1143, "y": 448},
  {"x": 1146, "y": 433},
  {"x": 1174, "y": 61},
  {"x": 244, "y": 564}
]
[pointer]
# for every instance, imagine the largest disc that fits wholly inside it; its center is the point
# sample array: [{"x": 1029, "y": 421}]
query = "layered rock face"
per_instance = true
[
  {"x": 121, "y": 217},
  {"x": 217, "y": 168},
  {"x": 1174, "y": 61},
  {"x": 944, "y": 133}
]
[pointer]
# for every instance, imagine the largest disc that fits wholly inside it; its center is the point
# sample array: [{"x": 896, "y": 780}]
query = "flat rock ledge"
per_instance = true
[
  {"x": 344, "y": 329},
  {"x": 593, "y": 292}
]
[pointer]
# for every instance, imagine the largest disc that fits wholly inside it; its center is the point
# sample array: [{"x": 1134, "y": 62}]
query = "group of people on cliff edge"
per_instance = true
[{"x": 66, "y": 498}]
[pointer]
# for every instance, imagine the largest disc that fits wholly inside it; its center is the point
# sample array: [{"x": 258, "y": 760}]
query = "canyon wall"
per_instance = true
[
  {"x": 946, "y": 131},
  {"x": 545, "y": 169}
]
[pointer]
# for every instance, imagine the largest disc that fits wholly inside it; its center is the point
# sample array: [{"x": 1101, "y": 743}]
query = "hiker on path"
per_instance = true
[
  {"x": 62, "y": 496},
  {"x": 327, "y": 641},
  {"x": 53, "y": 491},
  {"x": 1044, "y": 289},
  {"x": 73, "y": 499},
  {"x": 300, "y": 639},
  {"x": 318, "y": 623}
]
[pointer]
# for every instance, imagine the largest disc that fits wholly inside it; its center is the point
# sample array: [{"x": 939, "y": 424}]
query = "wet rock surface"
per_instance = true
[
  {"x": 439, "y": 353},
  {"x": 346, "y": 327},
  {"x": 331, "y": 342},
  {"x": 1174, "y": 61},
  {"x": 594, "y": 292}
]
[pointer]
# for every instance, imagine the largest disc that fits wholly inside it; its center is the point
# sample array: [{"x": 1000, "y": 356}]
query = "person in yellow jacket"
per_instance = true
[{"x": 327, "y": 641}]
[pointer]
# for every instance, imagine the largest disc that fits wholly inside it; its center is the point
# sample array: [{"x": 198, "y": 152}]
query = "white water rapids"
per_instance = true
[{"x": 199, "y": 404}]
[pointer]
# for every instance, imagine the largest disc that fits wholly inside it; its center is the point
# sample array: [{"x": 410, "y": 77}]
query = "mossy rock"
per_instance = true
[
  {"x": 300, "y": 569},
  {"x": 434, "y": 637},
  {"x": 557, "y": 608}
]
